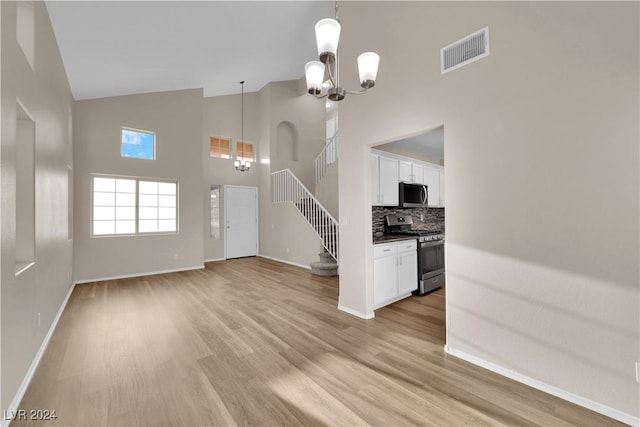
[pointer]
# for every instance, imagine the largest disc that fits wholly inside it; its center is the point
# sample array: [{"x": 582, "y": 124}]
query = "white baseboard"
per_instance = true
[
  {"x": 306, "y": 267},
  {"x": 214, "y": 259},
  {"x": 356, "y": 313},
  {"x": 148, "y": 273},
  {"x": 15, "y": 403},
  {"x": 555, "y": 391}
]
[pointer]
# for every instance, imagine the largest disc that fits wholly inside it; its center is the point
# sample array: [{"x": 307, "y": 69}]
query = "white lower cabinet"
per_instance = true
[{"x": 395, "y": 271}]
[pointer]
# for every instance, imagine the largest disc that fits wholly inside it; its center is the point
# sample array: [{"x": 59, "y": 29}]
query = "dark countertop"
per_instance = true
[{"x": 386, "y": 238}]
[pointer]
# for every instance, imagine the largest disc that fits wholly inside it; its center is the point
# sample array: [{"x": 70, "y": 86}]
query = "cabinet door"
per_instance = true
[
  {"x": 432, "y": 181},
  {"x": 405, "y": 171},
  {"x": 442, "y": 188},
  {"x": 388, "y": 181},
  {"x": 385, "y": 279},
  {"x": 418, "y": 172},
  {"x": 375, "y": 180},
  {"x": 407, "y": 272}
]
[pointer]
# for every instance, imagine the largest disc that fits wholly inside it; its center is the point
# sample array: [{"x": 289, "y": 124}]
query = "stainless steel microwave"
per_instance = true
[{"x": 412, "y": 195}]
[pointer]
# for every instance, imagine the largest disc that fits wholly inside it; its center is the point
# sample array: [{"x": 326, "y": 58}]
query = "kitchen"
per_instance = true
[{"x": 408, "y": 217}]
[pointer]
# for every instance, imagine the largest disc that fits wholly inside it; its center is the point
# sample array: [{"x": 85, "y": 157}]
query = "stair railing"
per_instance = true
[
  {"x": 286, "y": 187},
  {"x": 327, "y": 157}
]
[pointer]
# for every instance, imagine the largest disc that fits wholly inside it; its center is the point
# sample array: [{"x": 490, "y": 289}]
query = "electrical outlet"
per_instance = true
[
  {"x": 638, "y": 372},
  {"x": 175, "y": 256},
  {"x": 38, "y": 320},
  {"x": 287, "y": 250}
]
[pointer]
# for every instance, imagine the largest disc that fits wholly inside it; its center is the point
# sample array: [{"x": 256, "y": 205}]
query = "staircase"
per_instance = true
[
  {"x": 327, "y": 157},
  {"x": 327, "y": 266},
  {"x": 287, "y": 188}
]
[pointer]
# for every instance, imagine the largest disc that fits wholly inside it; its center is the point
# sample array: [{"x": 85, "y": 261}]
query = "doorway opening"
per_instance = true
[{"x": 408, "y": 220}]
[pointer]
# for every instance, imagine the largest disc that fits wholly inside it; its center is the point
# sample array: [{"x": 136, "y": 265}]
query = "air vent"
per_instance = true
[{"x": 465, "y": 51}]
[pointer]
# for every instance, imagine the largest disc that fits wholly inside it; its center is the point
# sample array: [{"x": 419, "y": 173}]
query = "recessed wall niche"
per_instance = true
[
  {"x": 25, "y": 194},
  {"x": 286, "y": 141}
]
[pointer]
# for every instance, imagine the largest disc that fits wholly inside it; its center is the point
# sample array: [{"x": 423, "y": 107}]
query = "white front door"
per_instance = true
[{"x": 241, "y": 221}]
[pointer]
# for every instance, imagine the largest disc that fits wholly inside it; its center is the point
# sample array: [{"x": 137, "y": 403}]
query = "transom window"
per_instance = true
[
  {"x": 138, "y": 144},
  {"x": 244, "y": 151},
  {"x": 123, "y": 205},
  {"x": 220, "y": 147}
]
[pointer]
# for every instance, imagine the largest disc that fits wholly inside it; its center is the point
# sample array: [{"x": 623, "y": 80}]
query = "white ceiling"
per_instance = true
[
  {"x": 114, "y": 48},
  {"x": 430, "y": 143}
]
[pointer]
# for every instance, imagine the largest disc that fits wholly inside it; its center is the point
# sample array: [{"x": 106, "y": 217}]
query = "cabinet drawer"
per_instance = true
[
  {"x": 385, "y": 250},
  {"x": 408, "y": 246}
]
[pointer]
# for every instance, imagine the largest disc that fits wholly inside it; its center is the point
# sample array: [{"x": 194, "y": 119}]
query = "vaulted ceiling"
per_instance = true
[{"x": 112, "y": 48}]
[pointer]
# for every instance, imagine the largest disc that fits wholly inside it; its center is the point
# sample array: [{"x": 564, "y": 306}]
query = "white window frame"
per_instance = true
[
  {"x": 137, "y": 179},
  {"x": 253, "y": 150},
  {"x": 230, "y": 147},
  {"x": 123, "y": 128}
]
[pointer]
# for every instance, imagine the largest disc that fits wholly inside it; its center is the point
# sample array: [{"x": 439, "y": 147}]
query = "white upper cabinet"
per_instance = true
[
  {"x": 410, "y": 172},
  {"x": 384, "y": 181},
  {"x": 432, "y": 181},
  {"x": 418, "y": 171},
  {"x": 388, "y": 181},
  {"x": 405, "y": 172},
  {"x": 375, "y": 179}
]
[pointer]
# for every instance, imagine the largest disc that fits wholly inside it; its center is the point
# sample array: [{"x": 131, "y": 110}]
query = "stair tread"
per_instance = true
[{"x": 324, "y": 265}]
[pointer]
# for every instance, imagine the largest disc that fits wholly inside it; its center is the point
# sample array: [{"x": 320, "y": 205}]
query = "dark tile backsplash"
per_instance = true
[{"x": 433, "y": 218}]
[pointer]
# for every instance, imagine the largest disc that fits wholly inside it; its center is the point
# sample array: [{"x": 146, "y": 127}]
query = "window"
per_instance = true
[
  {"x": 220, "y": 147},
  {"x": 156, "y": 206},
  {"x": 138, "y": 144},
  {"x": 123, "y": 205},
  {"x": 244, "y": 151},
  {"x": 215, "y": 212}
]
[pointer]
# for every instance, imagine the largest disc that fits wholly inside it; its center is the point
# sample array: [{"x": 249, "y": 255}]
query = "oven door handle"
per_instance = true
[
  {"x": 423, "y": 191},
  {"x": 431, "y": 243}
]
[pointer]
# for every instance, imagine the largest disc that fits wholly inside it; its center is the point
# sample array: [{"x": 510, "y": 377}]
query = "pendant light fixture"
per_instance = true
[
  {"x": 241, "y": 164},
  {"x": 327, "y": 39}
]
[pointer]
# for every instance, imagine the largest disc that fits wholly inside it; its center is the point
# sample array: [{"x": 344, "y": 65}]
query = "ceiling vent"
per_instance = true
[{"x": 465, "y": 51}]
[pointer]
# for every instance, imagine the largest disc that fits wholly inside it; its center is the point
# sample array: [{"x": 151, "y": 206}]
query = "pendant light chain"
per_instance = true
[
  {"x": 241, "y": 164},
  {"x": 242, "y": 118}
]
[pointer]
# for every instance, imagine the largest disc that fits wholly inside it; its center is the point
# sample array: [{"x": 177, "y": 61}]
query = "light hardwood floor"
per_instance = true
[{"x": 255, "y": 342}]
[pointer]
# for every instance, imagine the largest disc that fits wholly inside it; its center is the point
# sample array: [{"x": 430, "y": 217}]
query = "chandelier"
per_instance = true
[
  {"x": 241, "y": 164},
  {"x": 327, "y": 38}
]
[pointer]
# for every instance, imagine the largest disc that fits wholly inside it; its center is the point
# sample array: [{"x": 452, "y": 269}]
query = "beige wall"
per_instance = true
[
  {"x": 176, "y": 118},
  {"x": 284, "y": 234},
  {"x": 40, "y": 290},
  {"x": 541, "y": 148}
]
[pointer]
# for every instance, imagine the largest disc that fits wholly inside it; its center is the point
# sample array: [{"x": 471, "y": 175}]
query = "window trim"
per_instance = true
[
  {"x": 122, "y": 128},
  {"x": 219, "y": 137},
  {"x": 137, "y": 194},
  {"x": 253, "y": 153}
]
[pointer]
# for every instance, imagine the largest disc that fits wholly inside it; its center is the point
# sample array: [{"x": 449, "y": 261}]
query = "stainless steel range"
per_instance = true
[{"x": 430, "y": 251}]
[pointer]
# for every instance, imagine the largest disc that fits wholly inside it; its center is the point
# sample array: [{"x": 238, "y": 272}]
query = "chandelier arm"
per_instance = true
[
  {"x": 330, "y": 66},
  {"x": 356, "y": 92}
]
